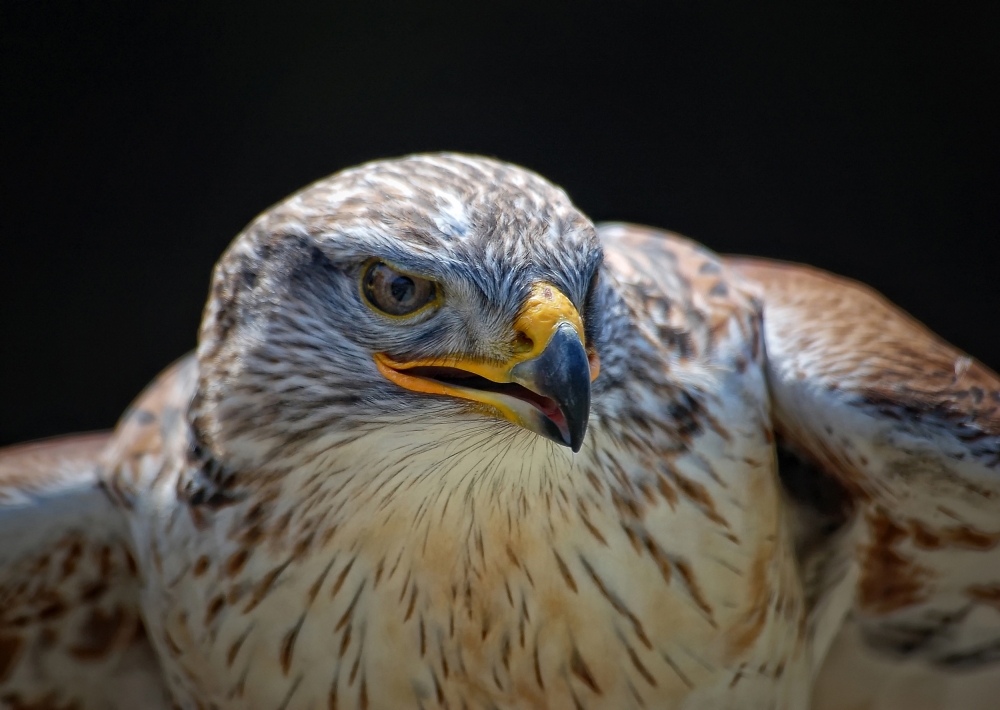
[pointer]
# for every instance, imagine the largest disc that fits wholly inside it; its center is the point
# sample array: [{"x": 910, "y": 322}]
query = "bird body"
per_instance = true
[{"x": 445, "y": 444}]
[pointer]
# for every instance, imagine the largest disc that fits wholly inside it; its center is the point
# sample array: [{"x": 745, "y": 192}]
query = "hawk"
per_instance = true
[{"x": 446, "y": 444}]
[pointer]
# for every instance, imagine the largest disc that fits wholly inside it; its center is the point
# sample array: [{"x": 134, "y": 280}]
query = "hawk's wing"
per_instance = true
[
  {"x": 895, "y": 468},
  {"x": 70, "y": 631}
]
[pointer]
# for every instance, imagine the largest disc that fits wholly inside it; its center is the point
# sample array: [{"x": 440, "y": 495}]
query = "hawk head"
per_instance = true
[{"x": 430, "y": 290}]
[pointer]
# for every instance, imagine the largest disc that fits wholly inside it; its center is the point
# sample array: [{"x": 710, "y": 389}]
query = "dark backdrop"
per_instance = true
[{"x": 139, "y": 137}]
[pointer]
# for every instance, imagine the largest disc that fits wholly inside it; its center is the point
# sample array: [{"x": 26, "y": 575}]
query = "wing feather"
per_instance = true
[
  {"x": 907, "y": 428},
  {"x": 70, "y": 631}
]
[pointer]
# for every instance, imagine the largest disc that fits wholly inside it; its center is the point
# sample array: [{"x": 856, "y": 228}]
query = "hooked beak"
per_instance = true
[{"x": 544, "y": 386}]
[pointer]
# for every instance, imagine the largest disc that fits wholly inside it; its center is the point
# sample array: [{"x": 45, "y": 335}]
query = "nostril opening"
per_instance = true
[{"x": 522, "y": 343}]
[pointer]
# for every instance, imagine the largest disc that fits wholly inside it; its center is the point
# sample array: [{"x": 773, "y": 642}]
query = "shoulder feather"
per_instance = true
[{"x": 908, "y": 429}]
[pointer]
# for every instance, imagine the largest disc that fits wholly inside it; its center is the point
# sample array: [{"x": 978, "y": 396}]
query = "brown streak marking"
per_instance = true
[
  {"x": 698, "y": 494},
  {"x": 302, "y": 546},
  {"x": 670, "y": 662},
  {"x": 318, "y": 584},
  {"x": 579, "y": 668},
  {"x": 197, "y": 517},
  {"x": 513, "y": 557},
  {"x": 413, "y": 601},
  {"x": 479, "y": 546},
  {"x": 252, "y": 535},
  {"x": 538, "y": 668},
  {"x": 627, "y": 507},
  {"x": 234, "y": 594},
  {"x": 632, "y": 536},
  {"x": 324, "y": 541},
  {"x": 667, "y": 491},
  {"x": 350, "y": 609},
  {"x": 341, "y": 578},
  {"x": 437, "y": 688},
  {"x": 592, "y": 529},
  {"x": 661, "y": 560},
  {"x": 345, "y": 641},
  {"x": 214, "y": 607},
  {"x": 617, "y": 605},
  {"x": 288, "y": 647},
  {"x": 635, "y": 694},
  {"x": 363, "y": 697},
  {"x": 688, "y": 574},
  {"x": 280, "y": 525},
  {"x": 505, "y": 652},
  {"x": 639, "y": 666},
  {"x": 235, "y": 648},
  {"x": 423, "y": 638},
  {"x": 564, "y": 571},
  {"x": 647, "y": 492},
  {"x": 263, "y": 587},
  {"x": 595, "y": 482},
  {"x": 444, "y": 661},
  {"x": 406, "y": 583},
  {"x": 201, "y": 566},
  {"x": 236, "y": 561},
  {"x": 354, "y": 669}
]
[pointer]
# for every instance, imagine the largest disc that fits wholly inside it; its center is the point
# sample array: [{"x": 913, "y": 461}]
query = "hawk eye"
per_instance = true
[{"x": 395, "y": 293}]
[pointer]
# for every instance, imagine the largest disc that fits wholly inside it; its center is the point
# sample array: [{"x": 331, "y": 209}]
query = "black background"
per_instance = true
[{"x": 139, "y": 137}]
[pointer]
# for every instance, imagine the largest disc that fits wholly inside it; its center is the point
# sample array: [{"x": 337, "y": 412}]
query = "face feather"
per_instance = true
[{"x": 287, "y": 341}]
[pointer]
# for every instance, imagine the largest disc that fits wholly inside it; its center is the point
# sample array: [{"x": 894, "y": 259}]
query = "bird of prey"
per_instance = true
[{"x": 446, "y": 444}]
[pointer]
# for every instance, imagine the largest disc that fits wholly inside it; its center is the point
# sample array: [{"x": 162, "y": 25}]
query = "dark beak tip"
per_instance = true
[
  {"x": 562, "y": 373},
  {"x": 577, "y": 436}
]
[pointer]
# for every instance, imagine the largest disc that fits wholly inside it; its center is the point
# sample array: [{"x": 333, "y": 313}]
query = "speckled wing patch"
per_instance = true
[{"x": 70, "y": 631}]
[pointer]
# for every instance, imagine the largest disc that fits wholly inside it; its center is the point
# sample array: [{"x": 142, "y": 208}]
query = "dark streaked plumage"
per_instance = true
[{"x": 334, "y": 506}]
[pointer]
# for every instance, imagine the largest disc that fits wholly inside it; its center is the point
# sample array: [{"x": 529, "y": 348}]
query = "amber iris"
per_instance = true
[{"x": 395, "y": 293}]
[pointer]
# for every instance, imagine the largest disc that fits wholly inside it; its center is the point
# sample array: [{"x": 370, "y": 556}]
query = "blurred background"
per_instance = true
[{"x": 138, "y": 138}]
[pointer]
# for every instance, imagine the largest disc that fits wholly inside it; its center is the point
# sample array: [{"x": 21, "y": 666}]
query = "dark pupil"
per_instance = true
[{"x": 402, "y": 289}]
